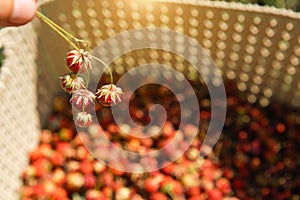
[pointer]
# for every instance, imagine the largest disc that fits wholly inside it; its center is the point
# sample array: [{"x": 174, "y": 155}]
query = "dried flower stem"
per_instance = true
[
  {"x": 109, "y": 70},
  {"x": 62, "y": 32}
]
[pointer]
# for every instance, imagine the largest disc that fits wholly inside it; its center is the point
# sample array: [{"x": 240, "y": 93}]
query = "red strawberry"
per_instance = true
[
  {"x": 82, "y": 153},
  {"x": 190, "y": 180},
  {"x": 171, "y": 186},
  {"x": 209, "y": 173},
  {"x": 81, "y": 139},
  {"x": 99, "y": 167},
  {"x": 136, "y": 197},
  {"x": 49, "y": 187},
  {"x": 168, "y": 130},
  {"x": 193, "y": 153},
  {"x": 238, "y": 184},
  {"x": 65, "y": 149},
  {"x": 65, "y": 134},
  {"x": 42, "y": 167},
  {"x": 207, "y": 184},
  {"x": 178, "y": 189},
  {"x": 57, "y": 159},
  {"x": 107, "y": 179},
  {"x": 198, "y": 197},
  {"x": 29, "y": 172},
  {"x": 123, "y": 193},
  {"x": 228, "y": 173},
  {"x": 72, "y": 166},
  {"x": 86, "y": 167},
  {"x": 133, "y": 145},
  {"x": 35, "y": 154},
  {"x": 117, "y": 168},
  {"x": 27, "y": 192},
  {"x": 158, "y": 196},
  {"x": 169, "y": 169},
  {"x": 60, "y": 194},
  {"x": 109, "y": 95},
  {"x": 75, "y": 181},
  {"x": 94, "y": 194},
  {"x": 224, "y": 185},
  {"x": 151, "y": 185},
  {"x": 46, "y": 149},
  {"x": 215, "y": 194},
  {"x": 194, "y": 191},
  {"x": 46, "y": 136},
  {"x": 38, "y": 190},
  {"x": 59, "y": 176},
  {"x": 148, "y": 142},
  {"x": 108, "y": 192},
  {"x": 89, "y": 181}
]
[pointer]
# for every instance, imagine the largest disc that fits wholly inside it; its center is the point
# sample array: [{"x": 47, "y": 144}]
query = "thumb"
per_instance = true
[{"x": 16, "y": 12}]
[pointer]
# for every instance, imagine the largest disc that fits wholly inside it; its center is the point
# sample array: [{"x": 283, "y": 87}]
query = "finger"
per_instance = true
[{"x": 16, "y": 12}]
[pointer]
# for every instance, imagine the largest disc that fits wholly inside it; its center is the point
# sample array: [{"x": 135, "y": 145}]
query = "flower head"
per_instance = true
[
  {"x": 83, "y": 119},
  {"x": 109, "y": 95},
  {"x": 78, "y": 61},
  {"x": 70, "y": 82},
  {"x": 83, "y": 99}
]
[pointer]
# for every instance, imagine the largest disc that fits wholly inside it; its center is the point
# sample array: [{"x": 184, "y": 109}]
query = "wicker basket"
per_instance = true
[{"x": 257, "y": 47}]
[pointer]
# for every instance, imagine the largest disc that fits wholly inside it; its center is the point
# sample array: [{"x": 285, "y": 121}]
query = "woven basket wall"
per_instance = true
[
  {"x": 258, "y": 48},
  {"x": 19, "y": 119}
]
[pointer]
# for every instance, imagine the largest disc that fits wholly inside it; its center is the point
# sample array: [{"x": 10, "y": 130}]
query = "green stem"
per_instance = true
[
  {"x": 56, "y": 29},
  {"x": 39, "y": 14},
  {"x": 87, "y": 80},
  {"x": 109, "y": 70},
  {"x": 62, "y": 32}
]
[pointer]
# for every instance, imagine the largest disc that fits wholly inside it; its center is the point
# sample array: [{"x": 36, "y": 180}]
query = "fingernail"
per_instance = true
[{"x": 23, "y": 11}]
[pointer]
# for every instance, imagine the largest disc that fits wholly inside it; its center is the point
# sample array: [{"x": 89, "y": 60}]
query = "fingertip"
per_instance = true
[{"x": 23, "y": 11}]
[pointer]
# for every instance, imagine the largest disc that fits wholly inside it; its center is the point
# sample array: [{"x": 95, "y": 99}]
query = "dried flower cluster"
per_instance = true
[{"x": 78, "y": 61}]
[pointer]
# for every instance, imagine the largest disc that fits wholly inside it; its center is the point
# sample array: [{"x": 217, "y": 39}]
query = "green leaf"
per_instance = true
[{"x": 1, "y": 56}]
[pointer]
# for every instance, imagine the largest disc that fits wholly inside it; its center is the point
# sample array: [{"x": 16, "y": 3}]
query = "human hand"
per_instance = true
[{"x": 16, "y": 12}]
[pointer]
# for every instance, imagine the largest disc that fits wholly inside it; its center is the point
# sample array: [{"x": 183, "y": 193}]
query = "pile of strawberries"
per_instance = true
[
  {"x": 62, "y": 168},
  {"x": 258, "y": 158},
  {"x": 261, "y": 146}
]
